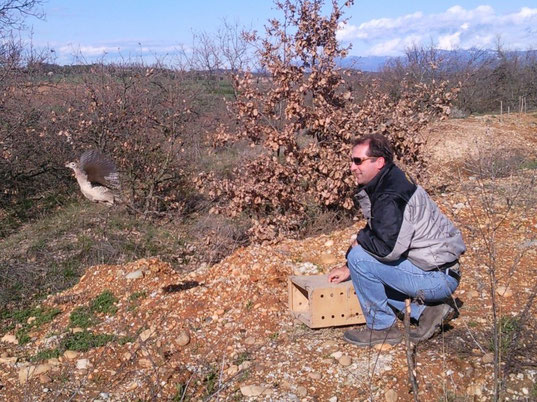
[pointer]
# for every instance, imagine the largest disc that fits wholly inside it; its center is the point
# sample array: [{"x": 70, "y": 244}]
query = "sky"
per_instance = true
[{"x": 78, "y": 30}]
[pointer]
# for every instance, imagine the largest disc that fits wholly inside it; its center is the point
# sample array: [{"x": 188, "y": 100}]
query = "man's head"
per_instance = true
[{"x": 370, "y": 153}]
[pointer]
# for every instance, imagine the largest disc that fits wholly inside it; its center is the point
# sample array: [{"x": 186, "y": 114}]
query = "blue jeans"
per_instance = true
[{"x": 380, "y": 285}]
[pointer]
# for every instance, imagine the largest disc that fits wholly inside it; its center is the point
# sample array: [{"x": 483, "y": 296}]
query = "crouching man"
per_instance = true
[{"x": 408, "y": 249}]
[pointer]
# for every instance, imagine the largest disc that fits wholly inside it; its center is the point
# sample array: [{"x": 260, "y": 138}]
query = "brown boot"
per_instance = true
[
  {"x": 368, "y": 337},
  {"x": 431, "y": 321}
]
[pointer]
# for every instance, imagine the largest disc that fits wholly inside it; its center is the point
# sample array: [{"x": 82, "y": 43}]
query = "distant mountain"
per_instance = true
[
  {"x": 375, "y": 63},
  {"x": 365, "y": 63}
]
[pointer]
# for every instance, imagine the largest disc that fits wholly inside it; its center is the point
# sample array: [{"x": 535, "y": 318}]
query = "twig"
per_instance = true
[{"x": 410, "y": 352}]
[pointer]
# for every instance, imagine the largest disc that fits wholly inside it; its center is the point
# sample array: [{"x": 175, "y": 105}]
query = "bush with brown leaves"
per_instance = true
[{"x": 303, "y": 115}]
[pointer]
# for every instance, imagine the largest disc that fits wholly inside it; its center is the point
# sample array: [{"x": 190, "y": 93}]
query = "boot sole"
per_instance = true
[{"x": 375, "y": 342}]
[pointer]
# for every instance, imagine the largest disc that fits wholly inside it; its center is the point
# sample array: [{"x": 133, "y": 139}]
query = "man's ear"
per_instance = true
[{"x": 381, "y": 162}]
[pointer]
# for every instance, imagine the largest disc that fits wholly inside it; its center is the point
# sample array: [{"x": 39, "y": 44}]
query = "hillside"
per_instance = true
[{"x": 142, "y": 331}]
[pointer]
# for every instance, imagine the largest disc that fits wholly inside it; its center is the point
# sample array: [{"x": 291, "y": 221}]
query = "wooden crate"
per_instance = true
[{"x": 319, "y": 303}]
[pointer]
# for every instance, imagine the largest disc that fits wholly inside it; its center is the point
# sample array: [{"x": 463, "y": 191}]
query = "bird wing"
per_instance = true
[{"x": 99, "y": 169}]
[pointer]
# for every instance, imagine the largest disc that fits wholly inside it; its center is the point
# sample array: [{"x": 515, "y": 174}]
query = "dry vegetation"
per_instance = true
[{"x": 213, "y": 161}]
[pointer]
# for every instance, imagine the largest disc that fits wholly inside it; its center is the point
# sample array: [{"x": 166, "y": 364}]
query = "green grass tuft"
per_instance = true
[
  {"x": 104, "y": 303},
  {"x": 85, "y": 340}
]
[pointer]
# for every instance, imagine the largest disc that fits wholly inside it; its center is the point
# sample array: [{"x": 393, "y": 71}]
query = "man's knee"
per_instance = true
[{"x": 356, "y": 259}]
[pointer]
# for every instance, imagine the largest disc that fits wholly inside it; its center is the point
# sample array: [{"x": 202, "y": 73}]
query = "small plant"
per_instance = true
[
  {"x": 241, "y": 358},
  {"x": 104, "y": 303},
  {"x": 46, "y": 354},
  {"x": 180, "y": 393},
  {"x": 85, "y": 340},
  {"x": 137, "y": 295},
  {"x": 22, "y": 336},
  {"x": 125, "y": 339},
  {"x": 82, "y": 317},
  {"x": 249, "y": 305},
  {"x": 40, "y": 316},
  {"x": 507, "y": 327},
  {"x": 210, "y": 381}
]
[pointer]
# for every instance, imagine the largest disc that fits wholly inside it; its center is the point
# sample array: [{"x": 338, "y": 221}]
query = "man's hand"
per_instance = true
[{"x": 339, "y": 274}]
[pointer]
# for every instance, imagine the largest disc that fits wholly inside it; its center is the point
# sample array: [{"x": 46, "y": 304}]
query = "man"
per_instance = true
[{"x": 408, "y": 249}]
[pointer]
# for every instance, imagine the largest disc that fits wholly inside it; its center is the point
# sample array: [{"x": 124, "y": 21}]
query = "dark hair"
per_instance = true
[{"x": 378, "y": 146}]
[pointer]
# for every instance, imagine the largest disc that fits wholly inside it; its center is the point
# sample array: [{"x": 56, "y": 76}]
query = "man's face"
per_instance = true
[{"x": 370, "y": 166}]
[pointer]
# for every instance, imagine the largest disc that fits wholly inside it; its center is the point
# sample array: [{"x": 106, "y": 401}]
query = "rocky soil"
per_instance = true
[{"x": 224, "y": 332}]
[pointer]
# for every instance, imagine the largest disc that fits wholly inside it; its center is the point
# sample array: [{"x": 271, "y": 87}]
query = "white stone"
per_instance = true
[
  {"x": 329, "y": 243},
  {"x": 252, "y": 390},
  {"x": 135, "y": 275},
  {"x": 336, "y": 355},
  {"x": 82, "y": 364}
]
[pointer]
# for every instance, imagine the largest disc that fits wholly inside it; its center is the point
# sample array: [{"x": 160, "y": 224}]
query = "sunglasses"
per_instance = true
[{"x": 358, "y": 161}]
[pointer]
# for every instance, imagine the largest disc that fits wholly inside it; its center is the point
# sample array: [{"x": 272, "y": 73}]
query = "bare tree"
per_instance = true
[{"x": 13, "y": 13}]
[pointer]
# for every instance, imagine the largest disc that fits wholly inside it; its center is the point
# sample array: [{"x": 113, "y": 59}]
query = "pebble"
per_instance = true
[
  {"x": 10, "y": 339},
  {"x": 383, "y": 347},
  {"x": 504, "y": 291},
  {"x": 473, "y": 294},
  {"x": 252, "y": 390},
  {"x": 301, "y": 391},
  {"x": 70, "y": 354},
  {"x": 42, "y": 368},
  {"x": 250, "y": 340},
  {"x": 232, "y": 370},
  {"x": 82, "y": 364},
  {"x": 474, "y": 389},
  {"x": 183, "y": 338},
  {"x": 135, "y": 275},
  {"x": 314, "y": 376},
  {"x": 391, "y": 395},
  {"x": 328, "y": 259},
  {"x": 345, "y": 361},
  {"x": 329, "y": 344},
  {"x": 132, "y": 386},
  {"x": 26, "y": 373},
  {"x": 329, "y": 243},
  {"x": 145, "y": 335},
  {"x": 146, "y": 363},
  {"x": 8, "y": 360},
  {"x": 336, "y": 355},
  {"x": 44, "y": 379},
  {"x": 488, "y": 358},
  {"x": 333, "y": 399}
]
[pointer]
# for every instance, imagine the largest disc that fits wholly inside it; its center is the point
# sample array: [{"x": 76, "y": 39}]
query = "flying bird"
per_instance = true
[{"x": 97, "y": 177}]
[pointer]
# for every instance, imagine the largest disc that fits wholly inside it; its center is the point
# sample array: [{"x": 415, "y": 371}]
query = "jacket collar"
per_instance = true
[{"x": 370, "y": 187}]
